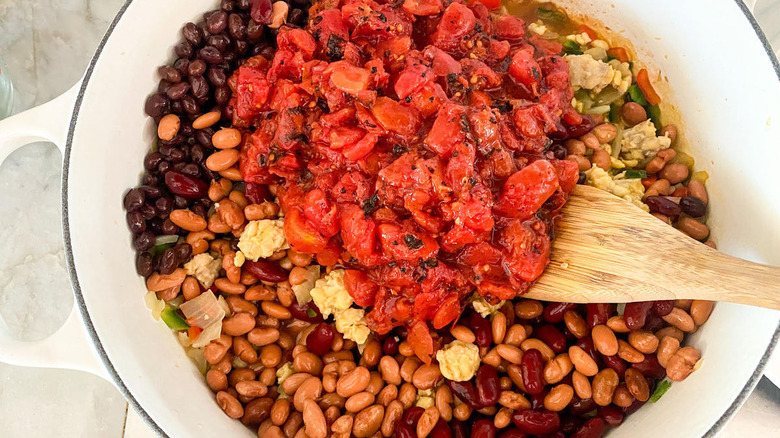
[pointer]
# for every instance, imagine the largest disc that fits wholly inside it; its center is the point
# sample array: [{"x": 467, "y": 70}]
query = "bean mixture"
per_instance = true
[{"x": 280, "y": 330}]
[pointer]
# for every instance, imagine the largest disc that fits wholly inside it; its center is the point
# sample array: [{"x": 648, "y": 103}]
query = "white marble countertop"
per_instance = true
[{"x": 46, "y": 45}]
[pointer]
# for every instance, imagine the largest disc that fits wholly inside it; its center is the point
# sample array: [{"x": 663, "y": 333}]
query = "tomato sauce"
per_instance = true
[{"x": 408, "y": 141}]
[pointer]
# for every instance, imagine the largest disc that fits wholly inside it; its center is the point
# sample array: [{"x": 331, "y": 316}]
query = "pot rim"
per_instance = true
[{"x": 80, "y": 302}]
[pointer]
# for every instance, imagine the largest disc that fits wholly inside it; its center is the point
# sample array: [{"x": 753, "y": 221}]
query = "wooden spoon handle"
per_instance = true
[{"x": 609, "y": 251}]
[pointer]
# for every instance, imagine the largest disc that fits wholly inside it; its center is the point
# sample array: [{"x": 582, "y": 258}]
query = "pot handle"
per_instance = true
[{"x": 70, "y": 346}]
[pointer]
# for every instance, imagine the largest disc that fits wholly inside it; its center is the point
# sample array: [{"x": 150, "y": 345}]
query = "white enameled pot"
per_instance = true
[{"x": 725, "y": 83}]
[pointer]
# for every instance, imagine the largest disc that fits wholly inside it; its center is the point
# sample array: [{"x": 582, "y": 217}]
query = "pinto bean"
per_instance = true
[
  {"x": 353, "y": 382},
  {"x": 368, "y": 421},
  {"x": 681, "y": 319},
  {"x": 682, "y": 362},
  {"x": 604, "y": 384},
  {"x": 230, "y": 405},
  {"x": 391, "y": 418},
  {"x": 701, "y": 311},
  {"x": 314, "y": 420}
]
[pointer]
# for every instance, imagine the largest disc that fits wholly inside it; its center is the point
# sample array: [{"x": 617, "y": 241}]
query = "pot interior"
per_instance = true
[{"x": 732, "y": 122}]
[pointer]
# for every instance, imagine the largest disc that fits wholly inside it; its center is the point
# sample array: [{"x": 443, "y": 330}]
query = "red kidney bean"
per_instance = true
[
  {"x": 633, "y": 407},
  {"x": 390, "y": 346},
  {"x": 185, "y": 186},
  {"x": 441, "y": 430},
  {"x": 553, "y": 312},
  {"x": 571, "y": 424},
  {"x": 612, "y": 415},
  {"x": 536, "y": 422},
  {"x": 265, "y": 270},
  {"x": 488, "y": 385},
  {"x": 566, "y": 130},
  {"x": 552, "y": 337},
  {"x": 593, "y": 428},
  {"x": 635, "y": 314},
  {"x": 459, "y": 429},
  {"x": 580, "y": 406},
  {"x": 320, "y": 339},
  {"x": 650, "y": 367},
  {"x": 257, "y": 193},
  {"x": 532, "y": 367},
  {"x": 616, "y": 363},
  {"x": 412, "y": 416},
  {"x": 466, "y": 392},
  {"x": 663, "y": 205},
  {"x": 663, "y": 308},
  {"x": 405, "y": 431},
  {"x": 586, "y": 344},
  {"x": 303, "y": 311},
  {"x": 513, "y": 433},
  {"x": 693, "y": 207},
  {"x": 261, "y": 11},
  {"x": 483, "y": 429},
  {"x": 482, "y": 330},
  {"x": 653, "y": 322},
  {"x": 598, "y": 313}
]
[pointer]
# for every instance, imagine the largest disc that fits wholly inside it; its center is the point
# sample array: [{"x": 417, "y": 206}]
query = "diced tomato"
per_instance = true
[
  {"x": 423, "y": 7},
  {"x": 321, "y": 213},
  {"x": 361, "y": 289},
  {"x": 490, "y": 4},
  {"x": 525, "y": 191},
  {"x": 568, "y": 174},
  {"x": 193, "y": 332},
  {"x": 358, "y": 234},
  {"x": 361, "y": 148},
  {"x": 525, "y": 70},
  {"x": 428, "y": 99},
  {"x": 405, "y": 244},
  {"x": 301, "y": 235},
  {"x": 447, "y": 130},
  {"x": 529, "y": 248},
  {"x": 508, "y": 27},
  {"x": 252, "y": 90},
  {"x": 290, "y": 38},
  {"x": 441, "y": 62},
  {"x": 329, "y": 24},
  {"x": 412, "y": 79},
  {"x": 331, "y": 254},
  {"x": 591, "y": 33},
  {"x": 348, "y": 78},
  {"x": 395, "y": 117},
  {"x": 420, "y": 340},
  {"x": 457, "y": 22}
]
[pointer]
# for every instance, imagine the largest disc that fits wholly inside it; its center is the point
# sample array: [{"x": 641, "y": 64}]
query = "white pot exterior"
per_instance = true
[{"x": 726, "y": 89}]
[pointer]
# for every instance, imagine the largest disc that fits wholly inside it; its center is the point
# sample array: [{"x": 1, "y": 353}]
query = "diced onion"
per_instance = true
[
  {"x": 165, "y": 239},
  {"x": 596, "y": 53},
  {"x": 222, "y": 303},
  {"x": 208, "y": 334},
  {"x": 154, "y": 304},
  {"x": 303, "y": 290},
  {"x": 203, "y": 311},
  {"x": 196, "y": 355}
]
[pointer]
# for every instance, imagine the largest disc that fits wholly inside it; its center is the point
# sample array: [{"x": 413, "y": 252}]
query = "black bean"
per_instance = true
[
  {"x": 220, "y": 42},
  {"x": 176, "y": 107},
  {"x": 169, "y": 73},
  {"x": 143, "y": 264},
  {"x": 168, "y": 261},
  {"x": 163, "y": 86},
  {"x": 147, "y": 211},
  {"x": 199, "y": 210},
  {"x": 180, "y": 202},
  {"x": 229, "y": 56},
  {"x": 217, "y": 22},
  {"x": 216, "y": 76},
  {"x": 226, "y": 5},
  {"x": 582, "y": 178},
  {"x": 295, "y": 17},
  {"x": 134, "y": 199},
  {"x": 204, "y": 137},
  {"x": 692, "y": 206},
  {"x": 157, "y": 105},
  {"x": 164, "y": 166},
  {"x": 208, "y": 174},
  {"x": 205, "y": 202},
  {"x": 149, "y": 180},
  {"x": 227, "y": 111},
  {"x": 168, "y": 227},
  {"x": 178, "y": 91},
  {"x": 136, "y": 222},
  {"x": 183, "y": 251},
  {"x": 197, "y": 153},
  {"x": 144, "y": 241},
  {"x": 165, "y": 148},
  {"x": 243, "y": 4},
  {"x": 241, "y": 48},
  {"x": 197, "y": 67},
  {"x": 184, "y": 50},
  {"x": 236, "y": 26},
  {"x": 191, "y": 34},
  {"x": 152, "y": 192},
  {"x": 177, "y": 155},
  {"x": 254, "y": 31},
  {"x": 186, "y": 129},
  {"x": 558, "y": 150},
  {"x": 164, "y": 206},
  {"x": 190, "y": 105},
  {"x": 222, "y": 95},
  {"x": 181, "y": 65},
  {"x": 210, "y": 54},
  {"x": 268, "y": 52},
  {"x": 191, "y": 169},
  {"x": 154, "y": 225},
  {"x": 234, "y": 245},
  {"x": 665, "y": 206},
  {"x": 200, "y": 88}
]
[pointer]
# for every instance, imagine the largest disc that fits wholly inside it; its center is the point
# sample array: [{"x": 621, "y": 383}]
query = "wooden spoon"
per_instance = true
[{"x": 607, "y": 250}]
